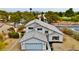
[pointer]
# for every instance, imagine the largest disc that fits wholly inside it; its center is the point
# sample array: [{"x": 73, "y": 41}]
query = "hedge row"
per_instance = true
[
  {"x": 73, "y": 34},
  {"x": 13, "y": 35}
]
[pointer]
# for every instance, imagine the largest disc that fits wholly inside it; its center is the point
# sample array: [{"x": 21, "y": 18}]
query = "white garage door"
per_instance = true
[{"x": 33, "y": 46}]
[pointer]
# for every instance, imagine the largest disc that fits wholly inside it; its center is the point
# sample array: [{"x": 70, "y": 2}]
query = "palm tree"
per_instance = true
[{"x": 30, "y": 9}]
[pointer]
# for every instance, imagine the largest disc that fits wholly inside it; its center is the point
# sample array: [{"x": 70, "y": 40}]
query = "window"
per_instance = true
[
  {"x": 55, "y": 38},
  {"x": 30, "y": 27},
  {"x": 39, "y": 28},
  {"x": 46, "y": 31}
]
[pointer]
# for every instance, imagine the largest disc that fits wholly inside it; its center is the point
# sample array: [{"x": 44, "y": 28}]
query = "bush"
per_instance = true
[
  {"x": 21, "y": 28},
  {"x": 2, "y": 45},
  {"x": 76, "y": 36},
  {"x": 11, "y": 29},
  {"x": 6, "y": 43},
  {"x": 22, "y": 33},
  {"x": 1, "y": 37},
  {"x": 73, "y": 34},
  {"x": 67, "y": 31},
  {"x": 13, "y": 35}
]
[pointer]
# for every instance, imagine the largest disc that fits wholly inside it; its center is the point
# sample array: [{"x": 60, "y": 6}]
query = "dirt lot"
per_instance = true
[
  {"x": 10, "y": 42},
  {"x": 69, "y": 44},
  {"x": 4, "y": 28}
]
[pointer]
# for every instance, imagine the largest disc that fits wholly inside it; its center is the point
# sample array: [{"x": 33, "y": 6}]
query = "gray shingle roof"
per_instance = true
[
  {"x": 34, "y": 34},
  {"x": 49, "y": 26}
]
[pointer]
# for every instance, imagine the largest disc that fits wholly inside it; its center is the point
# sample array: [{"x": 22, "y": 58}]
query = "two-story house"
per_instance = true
[{"x": 38, "y": 36}]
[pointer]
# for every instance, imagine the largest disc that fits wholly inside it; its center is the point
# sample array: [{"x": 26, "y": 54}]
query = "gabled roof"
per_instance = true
[
  {"x": 34, "y": 34},
  {"x": 49, "y": 26}
]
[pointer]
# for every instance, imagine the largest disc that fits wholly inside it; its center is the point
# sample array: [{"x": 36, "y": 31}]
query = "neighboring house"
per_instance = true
[{"x": 39, "y": 34}]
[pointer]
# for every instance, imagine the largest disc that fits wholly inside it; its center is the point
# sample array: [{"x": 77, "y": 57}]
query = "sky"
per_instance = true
[{"x": 37, "y": 9}]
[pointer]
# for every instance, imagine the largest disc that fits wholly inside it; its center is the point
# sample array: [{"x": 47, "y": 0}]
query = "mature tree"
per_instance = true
[
  {"x": 35, "y": 14},
  {"x": 4, "y": 15},
  {"x": 69, "y": 12},
  {"x": 77, "y": 13},
  {"x": 28, "y": 16},
  {"x": 15, "y": 17},
  {"x": 51, "y": 17},
  {"x": 75, "y": 18},
  {"x": 60, "y": 14},
  {"x": 19, "y": 14}
]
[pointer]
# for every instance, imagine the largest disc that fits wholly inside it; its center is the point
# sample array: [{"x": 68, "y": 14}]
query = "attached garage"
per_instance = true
[
  {"x": 34, "y": 41},
  {"x": 34, "y": 46}
]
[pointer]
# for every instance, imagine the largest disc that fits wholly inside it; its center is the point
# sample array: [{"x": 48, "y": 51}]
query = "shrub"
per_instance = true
[
  {"x": 76, "y": 36},
  {"x": 22, "y": 33},
  {"x": 11, "y": 29},
  {"x": 2, "y": 45},
  {"x": 1, "y": 37},
  {"x": 73, "y": 34},
  {"x": 21, "y": 28},
  {"x": 6, "y": 43},
  {"x": 67, "y": 31},
  {"x": 13, "y": 35}
]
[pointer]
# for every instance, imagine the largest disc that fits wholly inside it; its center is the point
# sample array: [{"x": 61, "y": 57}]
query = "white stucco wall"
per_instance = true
[{"x": 32, "y": 40}]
